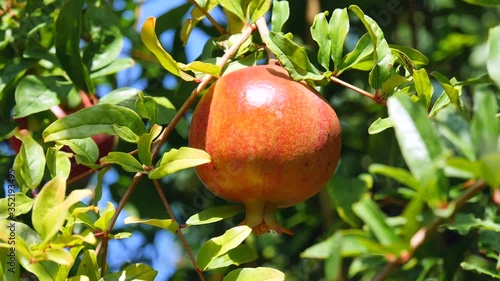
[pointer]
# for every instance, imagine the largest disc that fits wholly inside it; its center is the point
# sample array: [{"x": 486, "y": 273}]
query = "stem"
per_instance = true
[
  {"x": 209, "y": 17},
  {"x": 358, "y": 90},
  {"x": 264, "y": 32},
  {"x": 425, "y": 232},
  {"x": 104, "y": 242},
  {"x": 179, "y": 231},
  {"x": 203, "y": 84}
]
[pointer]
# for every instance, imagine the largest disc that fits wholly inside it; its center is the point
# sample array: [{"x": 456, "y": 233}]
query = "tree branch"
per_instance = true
[
  {"x": 209, "y": 17},
  {"x": 179, "y": 231},
  {"x": 425, "y": 232},
  {"x": 375, "y": 97}
]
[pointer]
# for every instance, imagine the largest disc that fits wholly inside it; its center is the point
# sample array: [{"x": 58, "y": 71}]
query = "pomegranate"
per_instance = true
[{"x": 274, "y": 142}]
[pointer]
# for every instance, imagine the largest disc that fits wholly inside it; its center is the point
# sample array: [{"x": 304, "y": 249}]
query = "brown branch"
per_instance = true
[
  {"x": 374, "y": 97},
  {"x": 179, "y": 231},
  {"x": 425, "y": 232},
  {"x": 209, "y": 17},
  {"x": 247, "y": 32},
  {"x": 264, "y": 32}
]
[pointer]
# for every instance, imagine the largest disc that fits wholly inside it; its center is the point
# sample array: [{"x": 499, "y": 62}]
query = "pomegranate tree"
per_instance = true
[{"x": 274, "y": 142}]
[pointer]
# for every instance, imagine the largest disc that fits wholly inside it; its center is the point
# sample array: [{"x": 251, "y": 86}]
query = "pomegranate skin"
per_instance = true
[{"x": 274, "y": 142}]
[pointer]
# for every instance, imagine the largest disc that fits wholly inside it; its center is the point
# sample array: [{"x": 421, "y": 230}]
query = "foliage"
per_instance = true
[{"x": 416, "y": 194}]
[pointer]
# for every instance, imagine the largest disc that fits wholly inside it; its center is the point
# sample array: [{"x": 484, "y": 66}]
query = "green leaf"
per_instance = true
[
  {"x": 463, "y": 168},
  {"x": 279, "y": 15},
  {"x": 338, "y": 29},
  {"x": 157, "y": 109},
  {"x": 51, "y": 195},
  {"x": 414, "y": 55},
  {"x": 215, "y": 214},
  {"x": 103, "y": 222},
  {"x": 237, "y": 7},
  {"x": 456, "y": 130},
  {"x": 485, "y": 131},
  {"x": 452, "y": 91},
  {"x": 125, "y": 134},
  {"x": 88, "y": 265},
  {"x": 122, "y": 96},
  {"x": 490, "y": 169},
  {"x": 144, "y": 145},
  {"x": 255, "y": 274},
  {"x": 133, "y": 272},
  {"x": 423, "y": 86},
  {"x": 86, "y": 149},
  {"x": 318, "y": 30},
  {"x": 107, "y": 40},
  {"x": 175, "y": 160},
  {"x": 220, "y": 245},
  {"x": 58, "y": 162},
  {"x": 149, "y": 39},
  {"x": 493, "y": 64},
  {"x": 463, "y": 223},
  {"x": 239, "y": 255},
  {"x": 368, "y": 211},
  {"x": 37, "y": 93},
  {"x": 380, "y": 125},
  {"x": 94, "y": 120},
  {"x": 293, "y": 57},
  {"x": 345, "y": 192},
  {"x": 481, "y": 268},
  {"x": 67, "y": 42},
  {"x": 362, "y": 51},
  {"x": 59, "y": 256},
  {"x": 486, "y": 3},
  {"x": 29, "y": 163},
  {"x": 257, "y": 9},
  {"x": 14, "y": 205},
  {"x": 420, "y": 147},
  {"x": 382, "y": 57},
  {"x": 125, "y": 160},
  {"x": 114, "y": 67},
  {"x": 203, "y": 67},
  {"x": 400, "y": 175},
  {"x": 167, "y": 224}
]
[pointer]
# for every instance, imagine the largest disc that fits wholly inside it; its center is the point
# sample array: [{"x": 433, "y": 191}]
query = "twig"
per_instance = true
[
  {"x": 209, "y": 17},
  {"x": 358, "y": 90},
  {"x": 264, "y": 32},
  {"x": 179, "y": 231},
  {"x": 104, "y": 242},
  {"x": 163, "y": 137},
  {"x": 425, "y": 232},
  {"x": 203, "y": 84}
]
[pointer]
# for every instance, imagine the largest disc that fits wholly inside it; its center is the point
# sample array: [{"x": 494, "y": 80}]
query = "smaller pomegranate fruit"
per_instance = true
[{"x": 274, "y": 142}]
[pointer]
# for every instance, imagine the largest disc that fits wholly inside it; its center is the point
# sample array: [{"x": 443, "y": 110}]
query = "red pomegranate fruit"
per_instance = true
[{"x": 274, "y": 142}]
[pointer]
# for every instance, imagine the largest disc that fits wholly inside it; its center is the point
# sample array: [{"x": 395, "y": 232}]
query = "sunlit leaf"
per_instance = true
[
  {"x": 94, "y": 120},
  {"x": 279, "y": 15},
  {"x": 237, "y": 7},
  {"x": 382, "y": 57},
  {"x": 380, "y": 125},
  {"x": 362, "y": 51},
  {"x": 14, "y": 205},
  {"x": 104, "y": 220},
  {"x": 319, "y": 29},
  {"x": 423, "y": 86},
  {"x": 220, "y": 245},
  {"x": 144, "y": 145},
  {"x": 241, "y": 254},
  {"x": 452, "y": 91},
  {"x": 58, "y": 162},
  {"x": 338, "y": 29},
  {"x": 86, "y": 149},
  {"x": 148, "y": 36},
  {"x": 29, "y": 163},
  {"x": 214, "y": 214},
  {"x": 125, "y": 160},
  {"x": 420, "y": 146},
  {"x": 88, "y": 265},
  {"x": 178, "y": 159},
  {"x": 133, "y": 272},
  {"x": 257, "y": 9},
  {"x": 167, "y": 224},
  {"x": 486, "y": 3},
  {"x": 255, "y": 274},
  {"x": 372, "y": 216}
]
